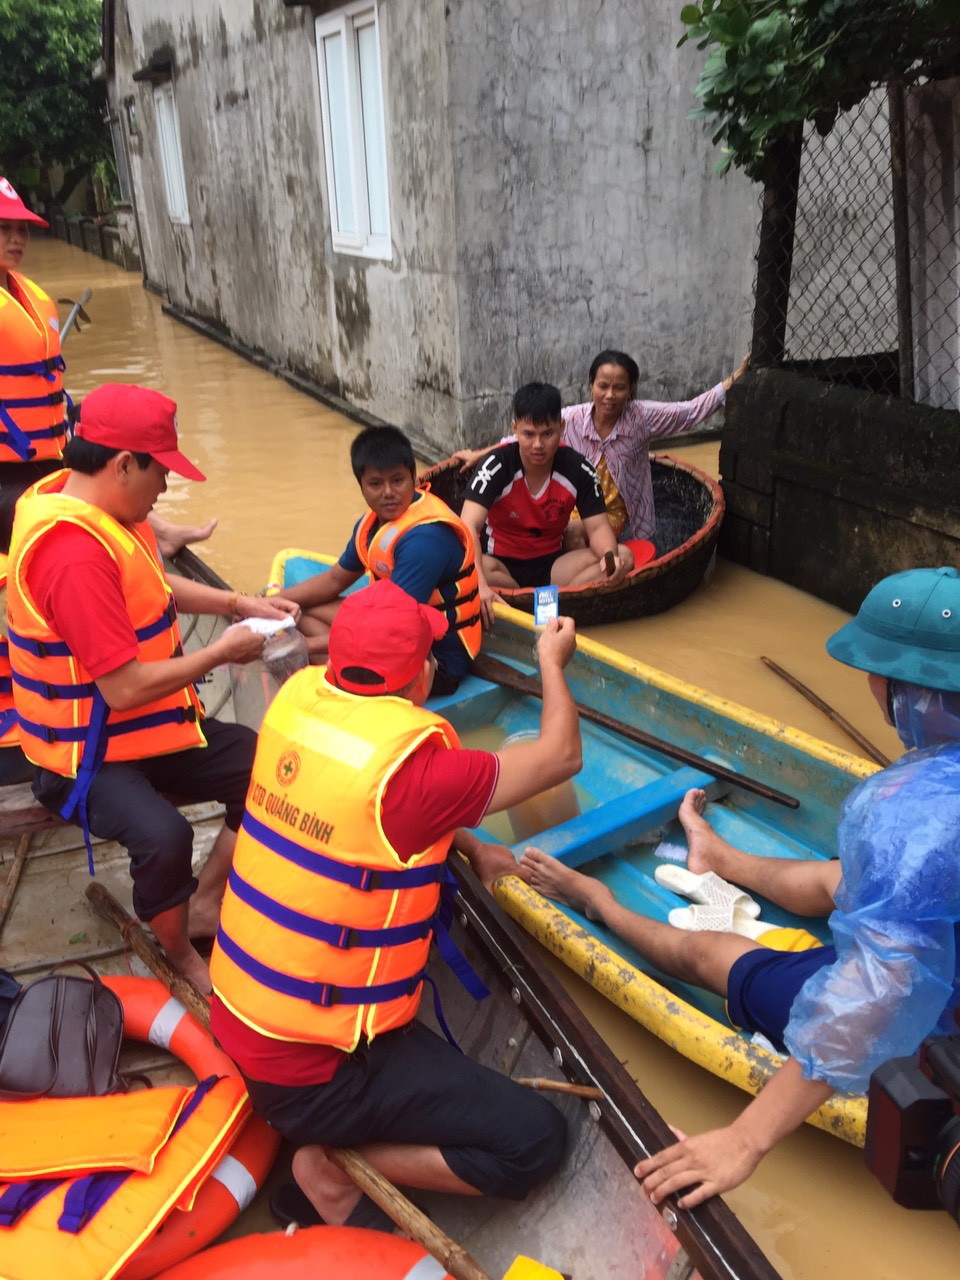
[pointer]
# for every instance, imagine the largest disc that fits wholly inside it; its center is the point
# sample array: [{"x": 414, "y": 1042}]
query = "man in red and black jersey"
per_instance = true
[{"x": 519, "y": 502}]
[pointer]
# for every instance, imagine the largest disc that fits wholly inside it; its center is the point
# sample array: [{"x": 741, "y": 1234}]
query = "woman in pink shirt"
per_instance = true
[{"x": 614, "y": 431}]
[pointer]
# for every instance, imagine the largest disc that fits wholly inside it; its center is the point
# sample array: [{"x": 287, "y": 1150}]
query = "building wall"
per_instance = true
[{"x": 548, "y": 196}]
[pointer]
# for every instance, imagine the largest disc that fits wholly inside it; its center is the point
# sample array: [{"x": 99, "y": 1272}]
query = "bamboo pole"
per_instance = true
[
  {"x": 13, "y": 876},
  {"x": 560, "y": 1086},
  {"x": 394, "y": 1203},
  {"x": 842, "y": 722}
]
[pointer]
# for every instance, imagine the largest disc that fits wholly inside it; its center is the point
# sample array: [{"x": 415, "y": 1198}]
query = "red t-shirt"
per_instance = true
[
  {"x": 78, "y": 589},
  {"x": 432, "y": 794}
]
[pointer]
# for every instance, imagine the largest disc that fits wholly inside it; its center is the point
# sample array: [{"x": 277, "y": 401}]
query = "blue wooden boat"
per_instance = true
[{"x": 628, "y": 795}]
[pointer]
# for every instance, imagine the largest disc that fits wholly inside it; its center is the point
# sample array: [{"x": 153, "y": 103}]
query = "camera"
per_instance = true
[{"x": 913, "y": 1127}]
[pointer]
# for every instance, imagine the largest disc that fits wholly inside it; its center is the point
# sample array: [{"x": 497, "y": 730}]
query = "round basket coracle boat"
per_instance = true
[{"x": 689, "y": 507}]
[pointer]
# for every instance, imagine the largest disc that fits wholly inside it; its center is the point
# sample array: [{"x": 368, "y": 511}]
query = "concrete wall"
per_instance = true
[
  {"x": 548, "y": 197},
  {"x": 830, "y": 488}
]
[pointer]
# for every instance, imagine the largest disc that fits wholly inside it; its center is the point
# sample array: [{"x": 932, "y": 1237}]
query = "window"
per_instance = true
[
  {"x": 168, "y": 125},
  {"x": 354, "y": 137}
]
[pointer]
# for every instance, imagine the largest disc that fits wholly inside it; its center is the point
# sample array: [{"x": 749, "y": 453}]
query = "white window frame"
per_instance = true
[
  {"x": 359, "y": 154},
  {"x": 171, "y": 153}
]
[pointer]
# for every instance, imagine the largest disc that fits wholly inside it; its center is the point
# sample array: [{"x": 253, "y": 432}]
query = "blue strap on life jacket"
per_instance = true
[
  {"x": 340, "y": 936},
  {"x": 450, "y": 953},
  {"x": 364, "y": 878},
  {"x": 60, "y": 648},
  {"x": 15, "y": 437},
  {"x": 8, "y": 719},
  {"x": 18, "y": 1197},
  {"x": 323, "y": 994},
  {"x": 35, "y": 368},
  {"x": 94, "y": 750},
  {"x": 87, "y": 1196}
]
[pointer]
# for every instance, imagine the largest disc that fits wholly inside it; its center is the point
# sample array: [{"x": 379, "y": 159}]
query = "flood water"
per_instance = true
[{"x": 279, "y": 476}]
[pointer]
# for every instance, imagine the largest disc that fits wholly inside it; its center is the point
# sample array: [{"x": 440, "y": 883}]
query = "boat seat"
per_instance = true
[
  {"x": 619, "y": 821},
  {"x": 21, "y": 812}
]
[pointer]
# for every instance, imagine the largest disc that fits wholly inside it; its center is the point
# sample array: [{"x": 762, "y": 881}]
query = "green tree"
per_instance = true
[
  {"x": 50, "y": 110},
  {"x": 774, "y": 63}
]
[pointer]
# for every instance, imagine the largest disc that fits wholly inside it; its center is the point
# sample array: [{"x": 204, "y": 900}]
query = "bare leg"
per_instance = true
[
  {"x": 172, "y": 538},
  {"x": 334, "y": 1194},
  {"x": 576, "y": 568},
  {"x": 496, "y": 573},
  {"x": 170, "y": 928},
  {"x": 704, "y": 959},
  {"x": 803, "y": 887},
  {"x": 204, "y": 906}
]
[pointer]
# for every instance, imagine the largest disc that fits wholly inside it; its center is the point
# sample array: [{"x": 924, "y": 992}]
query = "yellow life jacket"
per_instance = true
[
  {"x": 9, "y": 729},
  {"x": 32, "y": 420},
  {"x": 324, "y": 930},
  {"x": 458, "y": 599},
  {"x": 87, "y": 1228},
  {"x": 57, "y": 700},
  {"x": 42, "y": 1137}
]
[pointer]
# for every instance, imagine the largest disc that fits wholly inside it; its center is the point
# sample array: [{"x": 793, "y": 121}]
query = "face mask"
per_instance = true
[{"x": 923, "y": 717}]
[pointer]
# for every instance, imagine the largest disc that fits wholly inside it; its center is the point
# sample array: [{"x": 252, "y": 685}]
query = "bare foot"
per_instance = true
[
  {"x": 551, "y": 878},
  {"x": 490, "y": 862},
  {"x": 172, "y": 538},
  {"x": 702, "y": 840},
  {"x": 332, "y": 1192}
]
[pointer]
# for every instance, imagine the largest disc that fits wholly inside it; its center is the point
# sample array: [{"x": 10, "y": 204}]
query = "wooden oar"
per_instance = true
[
  {"x": 75, "y": 311},
  {"x": 842, "y": 722},
  {"x": 503, "y": 674},
  {"x": 13, "y": 876},
  {"x": 393, "y": 1202}
]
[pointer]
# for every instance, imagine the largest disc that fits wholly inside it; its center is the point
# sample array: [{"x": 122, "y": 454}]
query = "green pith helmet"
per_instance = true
[{"x": 908, "y": 628}]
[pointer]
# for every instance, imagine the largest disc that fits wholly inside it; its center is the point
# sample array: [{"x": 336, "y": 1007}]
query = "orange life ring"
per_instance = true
[
  {"x": 151, "y": 1014},
  {"x": 335, "y": 1253}
]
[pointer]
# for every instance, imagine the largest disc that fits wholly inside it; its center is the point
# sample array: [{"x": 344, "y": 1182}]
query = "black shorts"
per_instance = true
[
  {"x": 410, "y": 1087},
  {"x": 534, "y": 572},
  {"x": 125, "y": 804}
]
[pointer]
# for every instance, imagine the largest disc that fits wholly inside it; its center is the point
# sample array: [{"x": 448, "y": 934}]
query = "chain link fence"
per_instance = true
[{"x": 858, "y": 276}]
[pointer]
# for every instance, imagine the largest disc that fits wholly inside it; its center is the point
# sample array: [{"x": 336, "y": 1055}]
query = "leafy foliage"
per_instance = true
[
  {"x": 774, "y": 63},
  {"x": 50, "y": 109}
]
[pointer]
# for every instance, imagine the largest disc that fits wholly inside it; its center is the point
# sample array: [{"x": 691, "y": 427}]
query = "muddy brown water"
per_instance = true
[{"x": 278, "y": 475}]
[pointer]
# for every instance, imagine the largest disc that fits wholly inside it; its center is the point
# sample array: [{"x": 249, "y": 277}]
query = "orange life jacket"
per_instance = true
[
  {"x": 9, "y": 729},
  {"x": 459, "y": 598},
  {"x": 32, "y": 419},
  {"x": 56, "y": 698},
  {"x": 324, "y": 930},
  {"x": 87, "y": 1228},
  {"x": 42, "y": 1137}
]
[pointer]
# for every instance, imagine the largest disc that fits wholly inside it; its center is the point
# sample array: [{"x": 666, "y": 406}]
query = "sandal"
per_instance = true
[
  {"x": 290, "y": 1206},
  {"x": 707, "y": 889}
]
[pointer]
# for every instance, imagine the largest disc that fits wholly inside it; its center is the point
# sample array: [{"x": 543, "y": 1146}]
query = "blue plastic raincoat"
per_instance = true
[{"x": 896, "y": 978}]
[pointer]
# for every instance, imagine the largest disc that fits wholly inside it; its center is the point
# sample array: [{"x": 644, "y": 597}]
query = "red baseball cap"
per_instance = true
[
  {"x": 12, "y": 208},
  {"x": 123, "y": 416},
  {"x": 384, "y": 632}
]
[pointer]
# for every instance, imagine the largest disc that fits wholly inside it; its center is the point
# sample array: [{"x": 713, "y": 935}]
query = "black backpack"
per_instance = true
[{"x": 61, "y": 1038}]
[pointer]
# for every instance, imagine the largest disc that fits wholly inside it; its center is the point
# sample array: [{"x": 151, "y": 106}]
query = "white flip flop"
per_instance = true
[
  {"x": 717, "y": 919},
  {"x": 707, "y": 889}
]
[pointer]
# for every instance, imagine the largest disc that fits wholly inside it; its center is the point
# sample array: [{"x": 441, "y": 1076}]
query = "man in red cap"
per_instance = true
[
  {"x": 357, "y": 793},
  {"x": 104, "y": 694},
  {"x": 33, "y": 420}
]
